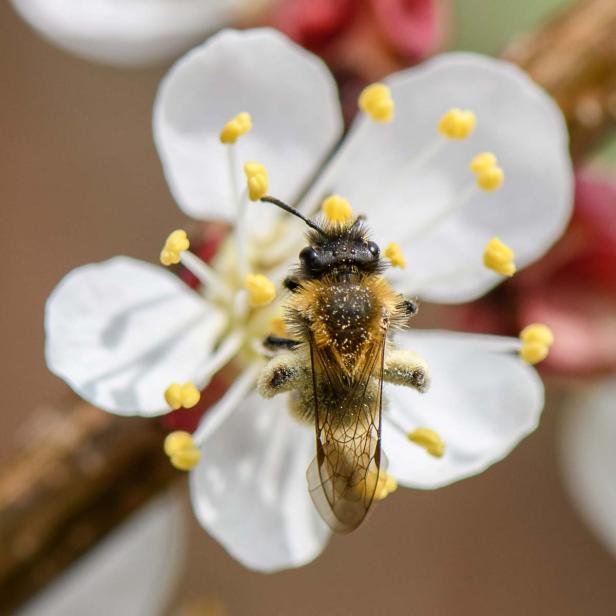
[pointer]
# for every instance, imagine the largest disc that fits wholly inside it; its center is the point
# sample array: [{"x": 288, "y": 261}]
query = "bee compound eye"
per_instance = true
[
  {"x": 309, "y": 256},
  {"x": 374, "y": 249}
]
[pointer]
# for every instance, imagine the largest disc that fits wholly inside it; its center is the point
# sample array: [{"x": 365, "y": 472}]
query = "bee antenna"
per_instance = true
[{"x": 292, "y": 210}]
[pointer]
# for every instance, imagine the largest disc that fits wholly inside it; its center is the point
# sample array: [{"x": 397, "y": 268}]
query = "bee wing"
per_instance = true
[{"x": 344, "y": 474}]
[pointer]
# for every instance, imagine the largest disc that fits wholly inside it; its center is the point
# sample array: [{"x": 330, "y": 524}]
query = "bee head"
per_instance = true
[
  {"x": 340, "y": 247},
  {"x": 335, "y": 246}
]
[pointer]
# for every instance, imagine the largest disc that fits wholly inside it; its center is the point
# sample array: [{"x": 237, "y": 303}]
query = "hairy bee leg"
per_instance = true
[
  {"x": 406, "y": 368},
  {"x": 291, "y": 284},
  {"x": 409, "y": 307},
  {"x": 285, "y": 372},
  {"x": 277, "y": 343}
]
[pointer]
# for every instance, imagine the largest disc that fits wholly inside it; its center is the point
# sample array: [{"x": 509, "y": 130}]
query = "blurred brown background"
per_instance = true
[{"x": 79, "y": 182}]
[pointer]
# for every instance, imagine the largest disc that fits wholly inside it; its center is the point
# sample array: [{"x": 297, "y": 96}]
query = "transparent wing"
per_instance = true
[{"x": 344, "y": 475}]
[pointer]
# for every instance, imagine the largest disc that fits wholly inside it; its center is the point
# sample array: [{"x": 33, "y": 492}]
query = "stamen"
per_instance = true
[
  {"x": 385, "y": 486},
  {"x": 227, "y": 404},
  {"x": 378, "y": 483},
  {"x": 257, "y": 180},
  {"x": 499, "y": 258},
  {"x": 457, "y": 124},
  {"x": 462, "y": 199},
  {"x": 182, "y": 451},
  {"x": 206, "y": 275},
  {"x": 221, "y": 356},
  {"x": 488, "y": 174},
  {"x": 491, "y": 179},
  {"x": 375, "y": 100},
  {"x": 337, "y": 209},
  {"x": 482, "y": 161},
  {"x": 536, "y": 342},
  {"x": 243, "y": 264},
  {"x": 278, "y": 327},
  {"x": 429, "y": 440},
  {"x": 235, "y": 128},
  {"x": 175, "y": 244},
  {"x": 182, "y": 396},
  {"x": 261, "y": 290},
  {"x": 394, "y": 253}
]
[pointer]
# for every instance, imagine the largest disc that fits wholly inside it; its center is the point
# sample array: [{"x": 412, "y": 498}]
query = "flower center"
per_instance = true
[{"x": 248, "y": 297}]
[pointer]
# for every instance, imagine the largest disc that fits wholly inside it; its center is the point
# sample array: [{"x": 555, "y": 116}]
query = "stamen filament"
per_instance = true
[
  {"x": 464, "y": 197},
  {"x": 292, "y": 241},
  {"x": 206, "y": 275},
  {"x": 395, "y": 423},
  {"x": 218, "y": 414},
  {"x": 233, "y": 173},
  {"x": 424, "y": 437},
  {"x": 428, "y": 154},
  {"x": 243, "y": 266},
  {"x": 240, "y": 304},
  {"x": 221, "y": 357},
  {"x": 419, "y": 287}
]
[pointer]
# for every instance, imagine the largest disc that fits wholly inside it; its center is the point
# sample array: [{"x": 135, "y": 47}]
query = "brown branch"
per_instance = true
[
  {"x": 574, "y": 58},
  {"x": 84, "y": 470},
  {"x": 82, "y": 473}
]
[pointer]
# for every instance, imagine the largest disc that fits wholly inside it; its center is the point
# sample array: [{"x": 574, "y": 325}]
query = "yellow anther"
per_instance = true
[
  {"x": 278, "y": 327},
  {"x": 533, "y": 352},
  {"x": 457, "y": 124},
  {"x": 499, "y": 257},
  {"x": 235, "y": 128},
  {"x": 385, "y": 486},
  {"x": 257, "y": 180},
  {"x": 380, "y": 484},
  {"x": 429, "y": 440},
  {"x": 261, "y": 290},
  {"x": 182, "y": 451},
  {"x": 337, "y": 209},
  {"x": 176, "y": 441},
  {"x": 394, "y": 253},
  {"x": 536, "y": 342},
  {"x": 482, "y": 162},
  {"x": 491, "y": 178},
  {"x": 175, "y": 245},
  {"x": 375, "y": 100},
  {"x": 182, "y": 396},
  {"x": 537, "y": 332}
]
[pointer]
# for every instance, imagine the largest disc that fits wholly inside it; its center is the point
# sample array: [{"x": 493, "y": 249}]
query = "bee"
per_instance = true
[{"x": 340, "y": 315}]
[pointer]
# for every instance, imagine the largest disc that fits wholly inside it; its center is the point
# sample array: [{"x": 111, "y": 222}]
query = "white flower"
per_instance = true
[
  {"x": 129, "y": 32},
  {"x": 119, "y": 332},
  {"x": 589, "y": 458},
  {"x": 132, "y": 571}
]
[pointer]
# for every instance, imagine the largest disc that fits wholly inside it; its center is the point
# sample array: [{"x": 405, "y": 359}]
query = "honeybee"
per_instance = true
[{"x": 340, "y": 316}]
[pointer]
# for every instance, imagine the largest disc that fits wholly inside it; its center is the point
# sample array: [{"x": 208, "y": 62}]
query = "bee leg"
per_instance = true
[
  {"x": 291, "y": 283},
  {"x": 285, "y": 372},
  {"x": 409, "y": 307},
  {"x": 277, "y": 343},
  {"x": 406, "y": 368}
]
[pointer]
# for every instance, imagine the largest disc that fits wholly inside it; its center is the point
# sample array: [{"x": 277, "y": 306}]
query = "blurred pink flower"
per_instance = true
[
  {"x": 572, "y": 289},
  {"x": 363, "y": 40}
]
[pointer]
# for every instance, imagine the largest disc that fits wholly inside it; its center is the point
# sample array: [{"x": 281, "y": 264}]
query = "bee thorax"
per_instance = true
[{"x": 344, "y": 315}]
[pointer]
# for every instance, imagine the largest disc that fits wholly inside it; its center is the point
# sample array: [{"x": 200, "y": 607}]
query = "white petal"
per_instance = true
[
  {"x": 119, "y": 332},
  {"x": 250, "y": 492},
  {"x": 126, "y": 32},
  {"x": 515, "y": 119},
  {"x": 589, "y": 458},
  {"x": 294, "y": 106},
  {"x": 482, "y": 401},
  {"x": 133, "y": 571}
]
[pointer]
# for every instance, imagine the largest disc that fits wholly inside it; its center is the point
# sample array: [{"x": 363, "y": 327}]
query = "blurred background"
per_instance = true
[{"x": 80, "y": 181}]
